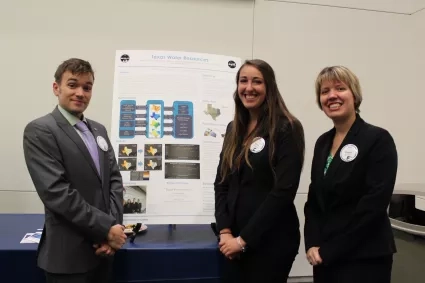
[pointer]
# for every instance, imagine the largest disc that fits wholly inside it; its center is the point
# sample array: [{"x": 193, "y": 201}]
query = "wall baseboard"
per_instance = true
[{"x": 300, "y": 280}]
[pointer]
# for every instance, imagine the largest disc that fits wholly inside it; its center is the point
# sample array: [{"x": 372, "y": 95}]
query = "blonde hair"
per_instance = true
[{"x": 341, "y": 74}]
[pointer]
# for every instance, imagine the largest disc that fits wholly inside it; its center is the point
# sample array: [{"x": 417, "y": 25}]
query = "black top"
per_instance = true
[
  {"x": 257, "y": 203},
  {"x": 346, "y": 210}
]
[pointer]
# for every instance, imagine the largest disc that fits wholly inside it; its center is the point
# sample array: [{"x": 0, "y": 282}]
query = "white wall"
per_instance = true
[
  {"x": 36, "y": 36},
  {"x": 299, "y": 40},
  {"x": 385, "y": 50},
  {"x": 411, "y": 103}
]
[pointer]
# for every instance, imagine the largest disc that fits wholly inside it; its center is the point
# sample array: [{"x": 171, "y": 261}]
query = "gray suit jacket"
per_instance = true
[{"x": 80, "y": 205}]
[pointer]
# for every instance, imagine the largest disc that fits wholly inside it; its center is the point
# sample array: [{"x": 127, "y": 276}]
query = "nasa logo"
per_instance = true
[
  {"x": 231, "y": 64},
  {"x": 125, "y": 58}
]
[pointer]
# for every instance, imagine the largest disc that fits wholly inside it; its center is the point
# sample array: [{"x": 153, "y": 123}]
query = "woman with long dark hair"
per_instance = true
[{"x": 257, "y": 180}]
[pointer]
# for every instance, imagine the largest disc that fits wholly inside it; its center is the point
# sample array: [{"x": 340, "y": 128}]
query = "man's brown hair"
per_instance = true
[{"x": 75, "y": 66}]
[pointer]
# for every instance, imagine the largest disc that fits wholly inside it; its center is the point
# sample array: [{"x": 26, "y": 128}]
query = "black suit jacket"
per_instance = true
[
  {"x": 346, "y": 210},
  {"x": 257, "y": 205},
  {"x": 80, "y": 205}
]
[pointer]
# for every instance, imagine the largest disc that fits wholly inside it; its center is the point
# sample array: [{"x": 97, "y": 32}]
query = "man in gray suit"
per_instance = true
[{"x": 73, "y": 167}]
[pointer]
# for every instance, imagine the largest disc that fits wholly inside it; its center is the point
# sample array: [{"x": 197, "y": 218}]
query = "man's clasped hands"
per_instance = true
[{"x": 115, "y": 240}]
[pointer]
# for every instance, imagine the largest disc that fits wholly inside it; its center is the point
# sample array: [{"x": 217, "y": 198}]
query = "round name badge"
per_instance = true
[
  {"x": 101, "y": 142},
  {"x": 257, "y": 145},
  {"x": 349, "y": 153}
]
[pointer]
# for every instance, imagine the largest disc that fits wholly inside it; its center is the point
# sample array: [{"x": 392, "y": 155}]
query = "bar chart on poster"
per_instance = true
[{"x": 169, "y": 116}]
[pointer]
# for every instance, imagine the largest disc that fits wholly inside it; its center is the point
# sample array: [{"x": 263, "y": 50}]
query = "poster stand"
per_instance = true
[{"x": 172, "y": 227}]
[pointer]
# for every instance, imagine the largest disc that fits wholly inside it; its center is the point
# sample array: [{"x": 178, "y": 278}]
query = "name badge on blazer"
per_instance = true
[
  {"x": 349, "y": 152},
  {"x": 101, "y": 142},
  {"x": 257, "y": 145}
]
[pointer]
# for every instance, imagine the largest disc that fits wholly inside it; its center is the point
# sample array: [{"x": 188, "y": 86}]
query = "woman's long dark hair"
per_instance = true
[{"x": 273, "y": 111}]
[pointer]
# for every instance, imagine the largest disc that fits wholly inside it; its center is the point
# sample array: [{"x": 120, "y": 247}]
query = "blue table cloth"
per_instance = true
[{"x": 187, "y": 254}]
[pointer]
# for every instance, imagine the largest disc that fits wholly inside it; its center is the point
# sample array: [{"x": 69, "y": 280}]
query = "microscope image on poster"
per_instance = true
[{"x": 157, "y": 121}]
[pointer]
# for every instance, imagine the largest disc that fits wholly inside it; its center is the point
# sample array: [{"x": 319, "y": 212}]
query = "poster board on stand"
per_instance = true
[{"x": 169, "y": 116}]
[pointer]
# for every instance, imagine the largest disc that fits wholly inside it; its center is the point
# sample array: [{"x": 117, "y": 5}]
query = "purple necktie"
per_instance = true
[{"x": 90, "y": 142}]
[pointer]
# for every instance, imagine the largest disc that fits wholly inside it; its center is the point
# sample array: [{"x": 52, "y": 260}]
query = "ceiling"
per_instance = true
[{"x": 390, "y": 6}]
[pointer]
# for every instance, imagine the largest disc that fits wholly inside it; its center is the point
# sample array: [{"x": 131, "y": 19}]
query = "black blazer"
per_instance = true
[
  {"x": 257, "y": 206},
  {"x": 346, "y": 210}
]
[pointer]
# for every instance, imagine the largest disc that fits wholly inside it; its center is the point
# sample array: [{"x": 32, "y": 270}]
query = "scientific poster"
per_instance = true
[{"x": 169, "y": 115}]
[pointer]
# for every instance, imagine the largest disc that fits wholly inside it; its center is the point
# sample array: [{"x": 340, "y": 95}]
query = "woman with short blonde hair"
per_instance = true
[{"x": 348, "y": 235}]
